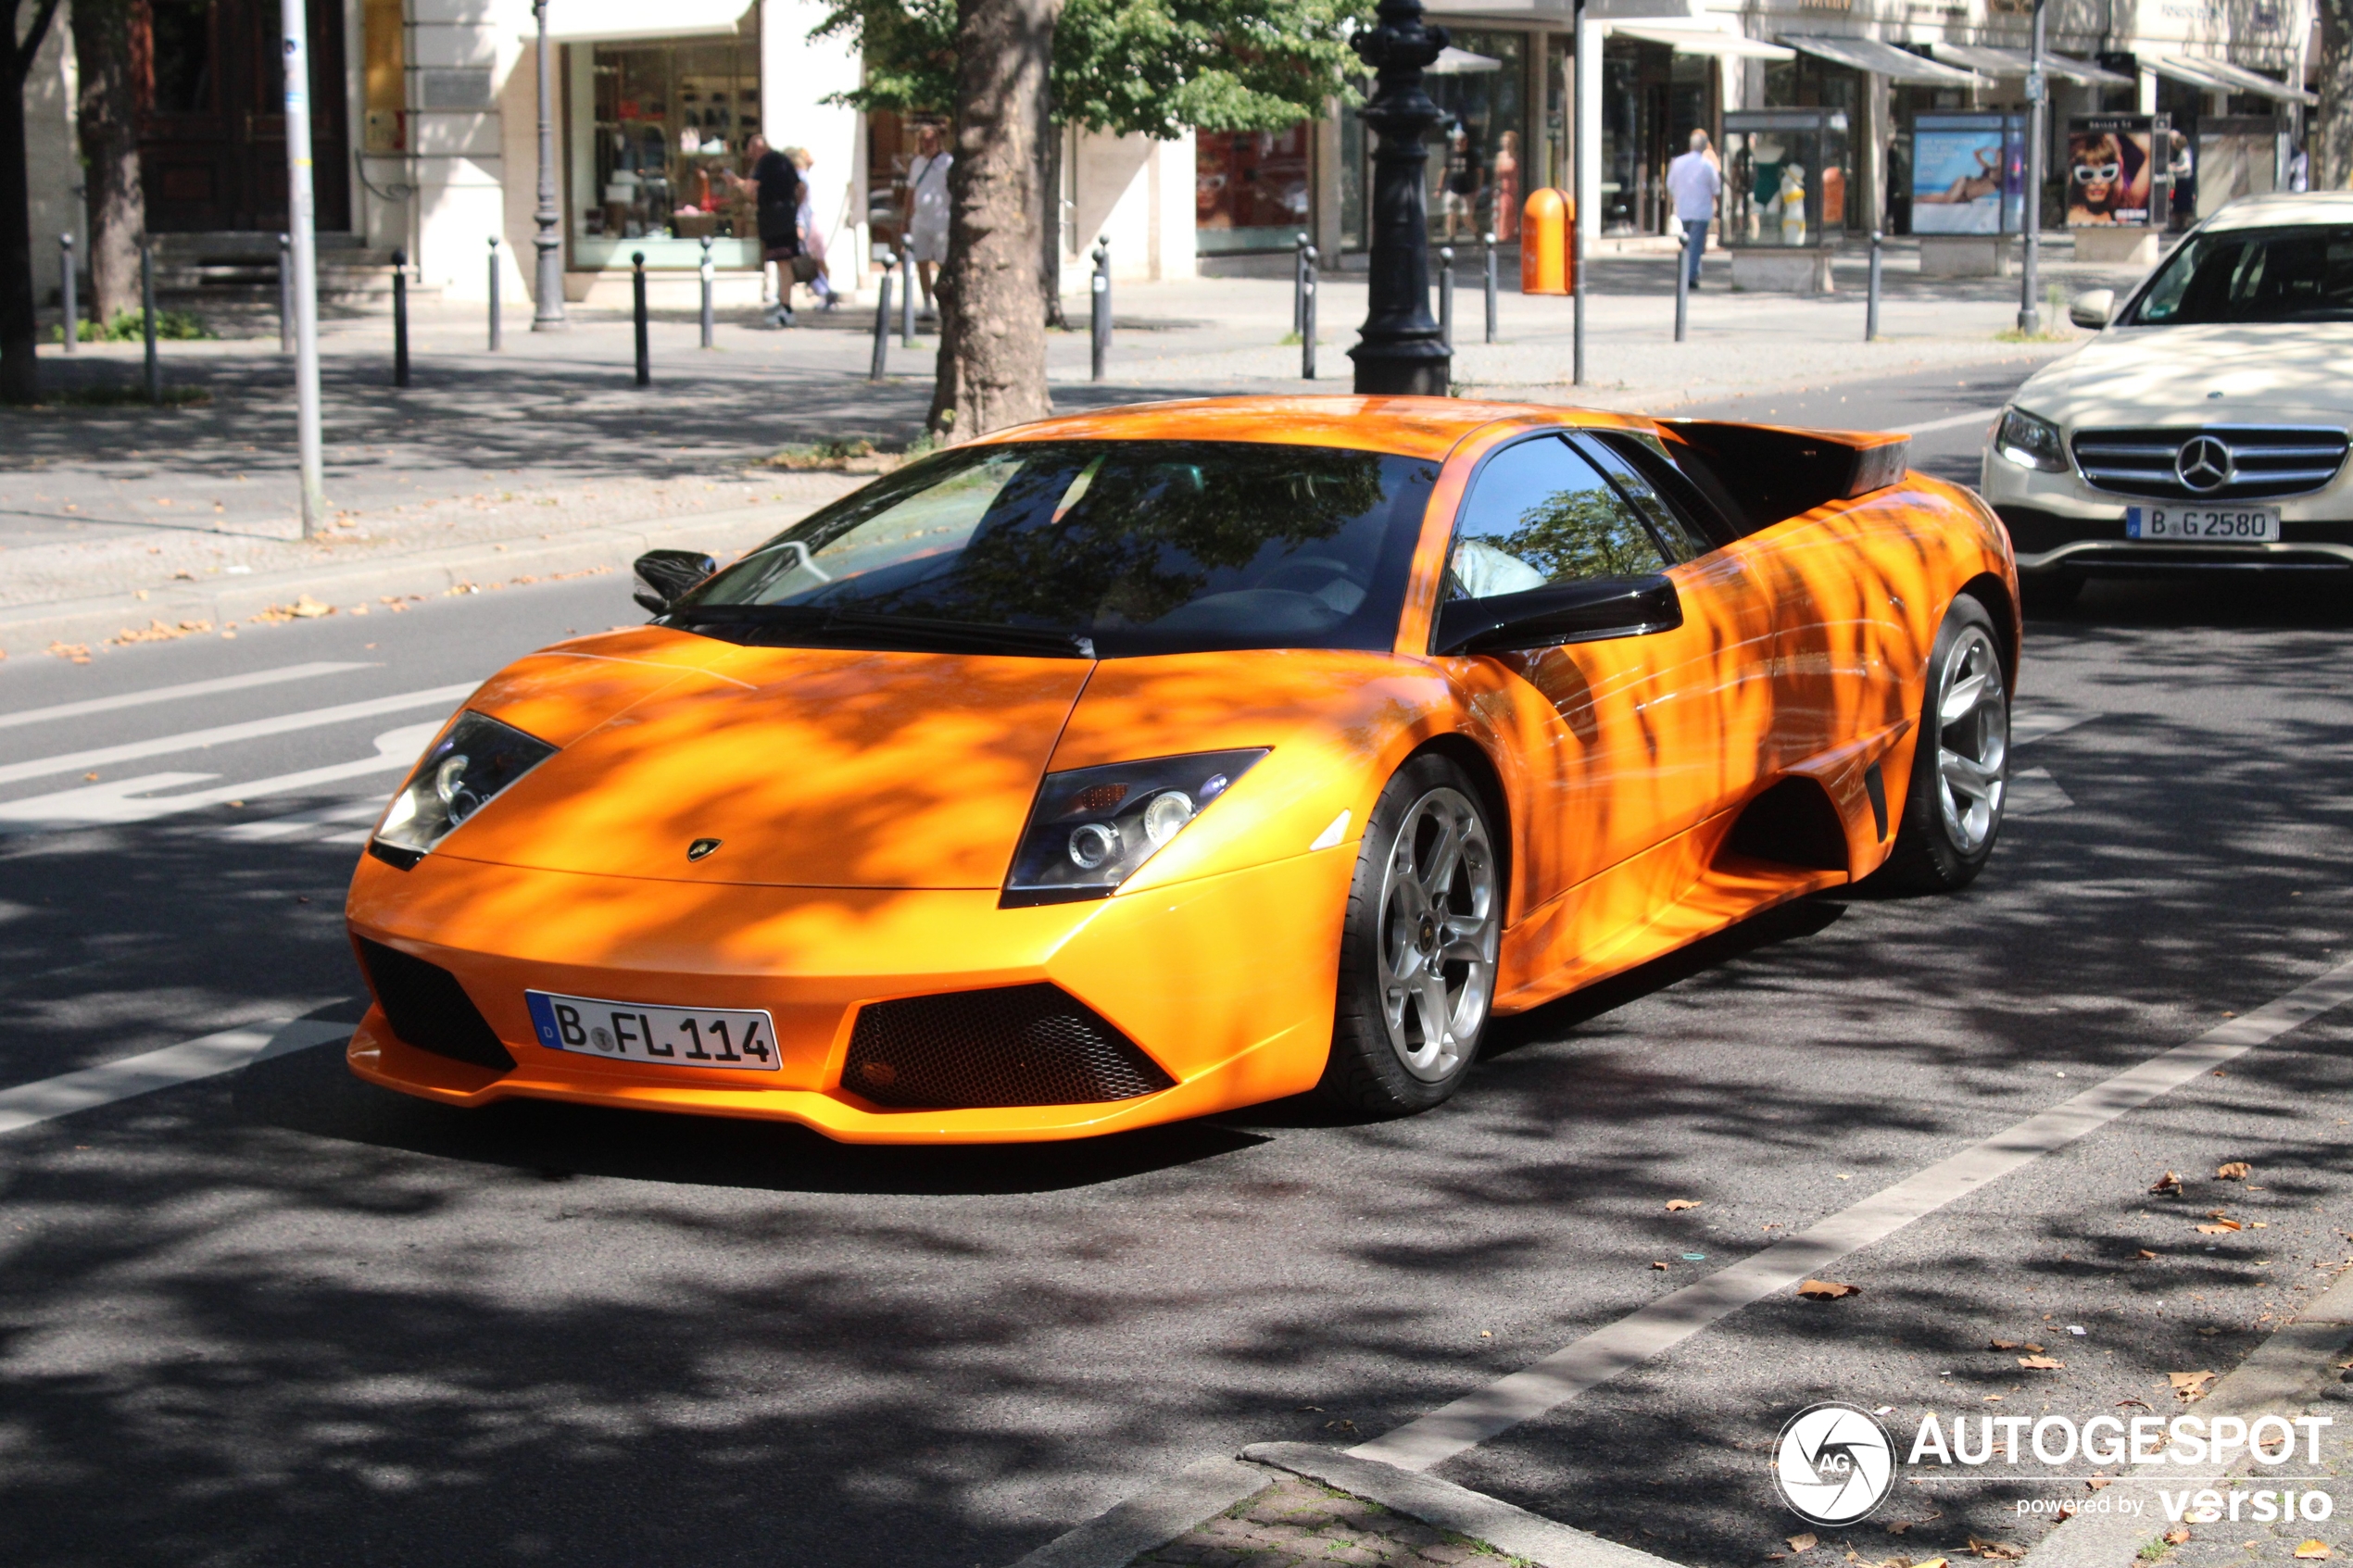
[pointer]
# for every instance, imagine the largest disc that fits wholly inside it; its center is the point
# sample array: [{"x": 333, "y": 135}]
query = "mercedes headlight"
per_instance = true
[
  {"x": 1093, "y": 828},
  {"x": 2029, "y": 443},
  {"x": 464, "y": 772}
]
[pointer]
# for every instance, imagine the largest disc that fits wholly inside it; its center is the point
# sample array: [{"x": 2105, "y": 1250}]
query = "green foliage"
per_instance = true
[
  {"x": 178, "y": 325},
  {"x": 1155, "y": 66},
  {"x": 1580, "y": 534}
]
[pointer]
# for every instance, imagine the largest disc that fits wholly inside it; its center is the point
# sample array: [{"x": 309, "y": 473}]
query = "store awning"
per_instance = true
[
  {"x": 1886, "y": 59},
  {"x": 2220, "y": 76},
  {"x": 1987, "y": 60},
  {"x": 1693, "y": 41},
  {"x": 608, "y": 21},
  {"x": 1452, "y": 61},
  {"x": 1560, "y": 11}
]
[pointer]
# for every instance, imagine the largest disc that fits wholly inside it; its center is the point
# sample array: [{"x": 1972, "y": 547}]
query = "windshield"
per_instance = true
[
  {"x": 1090, "y": 548},
  {"x": 2303, "y": 273}
]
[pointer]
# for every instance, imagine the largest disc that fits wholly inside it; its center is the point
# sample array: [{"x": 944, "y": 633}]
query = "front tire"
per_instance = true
[
  {"x": 1961, "y": 762},
  {"x": 1417, "y": 953}
]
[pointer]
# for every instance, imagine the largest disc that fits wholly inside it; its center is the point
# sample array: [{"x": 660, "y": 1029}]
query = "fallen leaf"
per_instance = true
[
  {"x": 2097, "y": 1482},
  {"x": 91, "y": 777},
  {"x": 2001, "y": 1344},
  {"x": 2167, "y": 1185},
  {"x": 2314, "y": 1550},
  {"x": 2189, "y": 1384},
  {"x": 2145, "y": 1253},
  {"x": 1677, "y": 1205},
  {"x": 2032, "y": 1348},
  {"x": 1825, "y": 1290},
  {"x": 1933, "y": 1562},
  {"x": 2220, "y": 1227},
  {"x": 2236, "y": 1171},
  {"x": 1993, "y": 1398},
  {"x": 2041, "y": 1363},
  {"x": 2143, "y": 1404},
  {"x": 2000, "y": 1551},
  {"x": 1805, "y": 1542},
  {"x": 1900, "y": 1525},
  {"x": 2178, "y": 1536},
  {"x": 1305, "y": 1409},
  {"x": 1659, "y": 1266},
  {"x": 1342, "y": 1424}
]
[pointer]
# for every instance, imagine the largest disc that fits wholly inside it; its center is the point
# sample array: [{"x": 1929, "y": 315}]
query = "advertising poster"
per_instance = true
[
  {"x": 2111, "y": 178},
  {"x": 1958, "y": 174}
]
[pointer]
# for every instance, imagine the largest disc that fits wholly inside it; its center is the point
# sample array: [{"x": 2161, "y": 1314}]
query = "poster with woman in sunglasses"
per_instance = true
[{"x": 2108, "y": 172}]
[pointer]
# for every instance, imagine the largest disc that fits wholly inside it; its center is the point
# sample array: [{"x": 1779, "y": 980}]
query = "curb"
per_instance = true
[
  {"x": 1198, "y": 1493},
  {"x": 28, "y": 628},
  {"x": 2283, "y": 1374}
]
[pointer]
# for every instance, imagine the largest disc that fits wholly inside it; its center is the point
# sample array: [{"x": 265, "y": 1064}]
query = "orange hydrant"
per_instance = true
[{"x": 1547, "y": 243}]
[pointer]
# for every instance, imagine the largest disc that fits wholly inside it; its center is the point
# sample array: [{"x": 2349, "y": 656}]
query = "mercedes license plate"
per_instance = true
[
  {"x": 2221, "y": 525},
  {"x": 709, "y": 1037}
]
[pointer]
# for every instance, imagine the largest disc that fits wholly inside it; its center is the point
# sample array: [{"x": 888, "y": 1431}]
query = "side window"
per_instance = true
[
  {"x": 1684, "y": 541},
  {"x": 1541, "y": 513}
]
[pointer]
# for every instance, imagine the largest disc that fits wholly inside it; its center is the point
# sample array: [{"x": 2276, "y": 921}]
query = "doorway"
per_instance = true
[{"x": 212, "y": 124}]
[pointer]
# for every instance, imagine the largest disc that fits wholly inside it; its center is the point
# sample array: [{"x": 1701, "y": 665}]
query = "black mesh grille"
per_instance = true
[
  {"x": 429, "y": 1009},
  {"x": 1021, "y": 1045}
]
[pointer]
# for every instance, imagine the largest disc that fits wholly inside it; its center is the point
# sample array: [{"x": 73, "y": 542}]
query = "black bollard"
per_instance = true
[
  {"x": 1099, "y": 323},
  {"x": 708, "y": 275},
  {"x": 494, "y": 293},
  {"x": 73, "y": 310},
  {"x": 1490, "y": 243},
  {"x": 1299, "y": 285},
  {"x": 1446, "y": 299},
  {"x": 882, "y": 320},
  {"x": 1870, "y": 299},
  {"x": 400, "y": 318},
  {"x": 1683, "y": 284},
  {"x": 906, "y": 292},
  {"x": 286, "y": 295},
  {"x": 637, "y": 291},
  {"x": 1307, "y": 313},
  {"x": 148, "y": 316}
]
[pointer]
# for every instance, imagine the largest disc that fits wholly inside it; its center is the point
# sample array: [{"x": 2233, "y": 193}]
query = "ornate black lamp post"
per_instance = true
[{"x": 1399, "y": 350}]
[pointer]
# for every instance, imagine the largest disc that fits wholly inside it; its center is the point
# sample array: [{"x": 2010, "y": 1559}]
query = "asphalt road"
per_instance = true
[{"x": 277, "y": 1316}]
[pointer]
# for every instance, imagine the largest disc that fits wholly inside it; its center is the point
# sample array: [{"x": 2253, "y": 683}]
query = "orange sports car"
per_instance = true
[{"x": 1145, "y": 764}]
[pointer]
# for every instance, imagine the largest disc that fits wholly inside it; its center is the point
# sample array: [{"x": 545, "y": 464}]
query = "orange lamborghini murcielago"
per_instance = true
[{"x": 1139, "y": 765}]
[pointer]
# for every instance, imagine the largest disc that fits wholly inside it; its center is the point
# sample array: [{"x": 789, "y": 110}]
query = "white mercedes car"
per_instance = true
[{"x": 2206, "y": 426}]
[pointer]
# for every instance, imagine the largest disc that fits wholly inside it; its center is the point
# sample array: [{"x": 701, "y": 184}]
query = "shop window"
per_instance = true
[
  {"x": 1479, "y": 163},
  {"x": 1252, "y": 190},
  {"x": 669, "y": 122}
]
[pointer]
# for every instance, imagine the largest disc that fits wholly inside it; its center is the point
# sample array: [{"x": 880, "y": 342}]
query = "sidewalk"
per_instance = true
[{"x": 550, "y": 440}]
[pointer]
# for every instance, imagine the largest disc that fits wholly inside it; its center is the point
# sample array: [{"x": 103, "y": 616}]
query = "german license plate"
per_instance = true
[
  {"x": 2241, "y": 526},
  {"x": 707, "y": 1037}
]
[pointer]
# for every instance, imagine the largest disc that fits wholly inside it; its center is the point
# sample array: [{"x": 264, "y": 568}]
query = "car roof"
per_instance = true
[
  {"x": 2284, "y": 209},
  {"x": 1411, "y": 427}
]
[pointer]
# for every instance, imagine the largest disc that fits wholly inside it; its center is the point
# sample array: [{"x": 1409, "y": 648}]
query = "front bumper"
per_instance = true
[
  {"x": 1227, "y": 983},
  {"x": 2060, "y": 524}
]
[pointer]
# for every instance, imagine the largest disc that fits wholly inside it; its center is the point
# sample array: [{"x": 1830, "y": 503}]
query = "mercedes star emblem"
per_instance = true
[
  {"x": 700, "y": 847},
  {"x": 2203, "y": 465}
]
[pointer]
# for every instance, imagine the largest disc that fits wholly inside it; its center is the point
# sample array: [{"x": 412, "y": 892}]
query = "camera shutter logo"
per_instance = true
[{"x": 1834, "y": 1464}]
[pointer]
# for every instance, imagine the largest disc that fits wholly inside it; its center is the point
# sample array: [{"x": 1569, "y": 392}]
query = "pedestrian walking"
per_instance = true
[
  {"x": 775, "y": 184},
  {"x": 1694, "y": 181},
  {"x": 812, "y": 239},
  {"x": 927, "y": 208}
]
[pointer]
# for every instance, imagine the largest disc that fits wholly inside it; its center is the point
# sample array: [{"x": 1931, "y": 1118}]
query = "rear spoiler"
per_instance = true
[{"x": 1764, "y": 473}]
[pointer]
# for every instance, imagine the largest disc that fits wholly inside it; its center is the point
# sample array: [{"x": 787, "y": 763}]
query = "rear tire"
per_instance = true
[
  {"x": 1960, "y": 764},
  {"x": 1417, "y": 953}
]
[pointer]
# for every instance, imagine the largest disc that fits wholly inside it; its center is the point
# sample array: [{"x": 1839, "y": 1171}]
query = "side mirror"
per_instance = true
[
  {"x": 668, "y": 573},
  {"x": 1590, "y": 612},
  {"x": 2092, "y": 308}
]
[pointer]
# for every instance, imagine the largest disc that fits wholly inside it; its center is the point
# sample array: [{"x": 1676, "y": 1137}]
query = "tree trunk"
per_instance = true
[
  {"x": 992, "y": 335},
  {"x": 19, "y": 379},
  {"x": 2329, "y": 149},
  {"x": 109, "y": 112}
]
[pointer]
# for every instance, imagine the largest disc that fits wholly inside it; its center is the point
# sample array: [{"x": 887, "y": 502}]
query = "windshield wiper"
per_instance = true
[{"x": 918, "y": 632}]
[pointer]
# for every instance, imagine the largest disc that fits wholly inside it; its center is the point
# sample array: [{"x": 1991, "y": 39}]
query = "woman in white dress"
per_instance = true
[{"x": 927, "y": 207}]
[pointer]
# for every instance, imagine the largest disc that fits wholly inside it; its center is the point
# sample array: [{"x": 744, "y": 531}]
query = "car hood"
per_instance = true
[
  {"x": 2286, "y": 374},
  {"x": 812, "y": 767}
]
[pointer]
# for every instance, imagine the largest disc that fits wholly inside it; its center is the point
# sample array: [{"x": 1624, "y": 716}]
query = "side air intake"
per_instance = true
[
  {"x": 429, "y": 1009},
  {"x": 1016, "y": 1045}
]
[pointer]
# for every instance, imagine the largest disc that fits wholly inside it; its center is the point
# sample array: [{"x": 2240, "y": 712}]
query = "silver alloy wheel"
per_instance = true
[
  {"x": 1439, "y": 925},
  {"x": 1972, "y": 741}
]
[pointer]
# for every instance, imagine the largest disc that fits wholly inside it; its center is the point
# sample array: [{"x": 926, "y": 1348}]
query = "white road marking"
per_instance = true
[
  {"x": 1433, "y": 1438},
  {"x": 121, "y": 801},
  {"x": 285, "y": 827},
  {"x": 2042, "y": 723},
  {"x": 1951, "y": 421},
  {"x": 30, "y": 1104},
  {"x": 173, "y": 694},
  {"x": 68, "y": 761},
  {"x": 2036, "y": 794}
]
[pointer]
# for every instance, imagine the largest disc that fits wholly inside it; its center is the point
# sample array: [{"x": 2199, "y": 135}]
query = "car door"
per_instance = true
[{"x": 1629, "y": 741}]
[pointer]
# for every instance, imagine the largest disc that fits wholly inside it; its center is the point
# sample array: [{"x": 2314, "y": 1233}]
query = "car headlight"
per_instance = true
[
  {"x": 1093, "y": 828},
  {"x": 2029, "y": 443},
  {"x": 464, "y": 772}
]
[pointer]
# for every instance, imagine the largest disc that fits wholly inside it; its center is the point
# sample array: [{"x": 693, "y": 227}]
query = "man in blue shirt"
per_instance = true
[{"x": 1694, "y": 181}]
